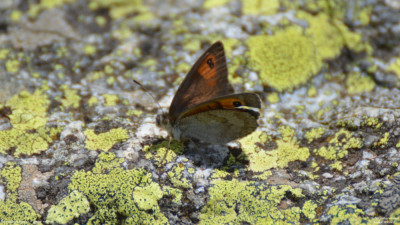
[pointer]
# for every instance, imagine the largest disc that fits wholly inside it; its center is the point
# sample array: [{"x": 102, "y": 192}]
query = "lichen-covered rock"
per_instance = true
[{"x": 79, "y": 144}]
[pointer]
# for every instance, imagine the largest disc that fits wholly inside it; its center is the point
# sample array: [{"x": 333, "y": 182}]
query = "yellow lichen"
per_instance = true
[
  {"x": 356, "y": 83},
  {"x": 4, "y": 53},
  {"x": 29, "y": 117},
  {"x": 119, "y": 195},
  {"x": 288, "y": 150},
  {"x": 314, "y": 133},
  {"x": 15, "y": 15},
  {"x": 119, "y": 8},
  {"x": 165, "y": 151},
  {"x": 29, "y": 111},
  {"x": 285, "y": 60},
  {"x": 260, "y": 7},
  {"x": 13, "y": 65},
  {"x": 93, "y": 101},
  {"x": 35, "y": 9},
  {"x": 192, "y": 45},
  {"x": 372, "y": 122},
  {"x": 208, "y": 4},
  {"x": 383, "y": 141},
  {"x": 68, "y": 208},
  {"x": 104, "y": 141},
  {"x": 90, "y": 49},
  {"x": 11, "y": 174},
  {"x": 339, "y": 145},
  {"x": 330, "y": 36},
  {"x": 70, "y": 98},
  {"x": 350, "y": 214},
  {"x": 309, "y": 210},
  {"x": 238, "y": 202},
  {"x": 312, "y": 91},
  {"x": 336, "y": 166},
  {"x": 273, "y": 98},
  {"x": 175, "y": 175},
  {"x": 395, "y": 67},
  {"x": 110, "y": 100}
]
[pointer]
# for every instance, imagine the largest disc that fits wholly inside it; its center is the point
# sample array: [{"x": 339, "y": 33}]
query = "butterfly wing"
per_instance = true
[
  {"x": 221, "y": 120},
  {"x": 207, "y": 79},
  {"x": 249, "y": 102},
  {"x": 217, "y": 126}
]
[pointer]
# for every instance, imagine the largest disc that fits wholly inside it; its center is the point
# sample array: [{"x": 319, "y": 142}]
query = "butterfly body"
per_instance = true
[{"x": 205, "y": 107}]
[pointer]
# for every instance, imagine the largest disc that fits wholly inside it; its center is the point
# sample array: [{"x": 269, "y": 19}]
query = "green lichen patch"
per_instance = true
[
  {"x": 350, "y": 214},
  {"x": 13, "y": 65},
  {"x": 288, "y": 150},
  {"x": 117, "y": 192},
  {"x": 29, "y": 111},
  {"x": 208, "y": 4},
  {"x": 4, "y": 53},
  {"x": 175, "y": 193},
  {"x": 35, "y": 9},
  {"x": 17, "y": 213},
  {"x": 259, "y": 7},
  {"x": 273, "y": 98},
  {"x": 11, "y": 176},
  {"x": 284, "y": 60},
  {"x": 23, "y": 142},
  {"x": 177, "y": 177},
  {"x": 119, "y": 8},
  {"x": 110, "y": 100},
  {"x": 356, "y": 83},
  {"x": 236, "y": 202},
  {"x": 340, "y": 145},
  {"x": 395, "y": 67},
  {"x": 314, "y": 133},
  {"x": 28, "y": 119},
  {"x": 104, "y": 141},
  {"x": 68, "y": 208},
  {"x": 371, "y": 122},
  {"x": 312, "y": 91},
  {"x": 383, "y": 141},
  {"x": 336, "y": 9},
  {"x": 309, "y": 210},
  {"x": 395, "y": 215},
  {"x": 164, "y": 152},
  {"x": 330, "y": 37},
  {"x": 10, "y": 210},
  {"x": 259, "y": 159},
  {"x": 71, "y": 98}
]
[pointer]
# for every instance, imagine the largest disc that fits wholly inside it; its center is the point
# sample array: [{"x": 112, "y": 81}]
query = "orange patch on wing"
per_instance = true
[
  {"x": 208, "y": 68},
  {"x": 211, "y": 82},
  {"x": 230, "y": 103}
]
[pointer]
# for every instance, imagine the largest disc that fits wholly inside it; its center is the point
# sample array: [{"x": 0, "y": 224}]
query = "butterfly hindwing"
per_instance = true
[{"x": 217, "y": 126}]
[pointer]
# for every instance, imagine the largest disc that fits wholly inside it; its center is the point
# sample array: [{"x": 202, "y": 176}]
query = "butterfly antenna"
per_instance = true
[{"x": 147, "y": 92}]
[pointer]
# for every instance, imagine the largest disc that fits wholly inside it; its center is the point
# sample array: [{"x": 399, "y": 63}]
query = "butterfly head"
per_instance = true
[{"x": 162, "y": 120}]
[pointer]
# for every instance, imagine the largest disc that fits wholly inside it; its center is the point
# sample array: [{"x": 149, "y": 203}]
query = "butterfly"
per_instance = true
[{"x": 205, "y": 107}]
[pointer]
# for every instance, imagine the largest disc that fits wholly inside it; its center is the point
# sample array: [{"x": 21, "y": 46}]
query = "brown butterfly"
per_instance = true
[{"x": 206, "y": 109}]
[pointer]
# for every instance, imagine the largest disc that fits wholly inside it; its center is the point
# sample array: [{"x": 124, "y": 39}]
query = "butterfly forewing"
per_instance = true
[{"x": 207, "y": 79}]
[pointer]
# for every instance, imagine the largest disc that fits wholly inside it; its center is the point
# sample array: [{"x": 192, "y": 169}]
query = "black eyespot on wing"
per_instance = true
[
  {"x": 210, "y": 63},
  {"x": 237, "y": 104}
]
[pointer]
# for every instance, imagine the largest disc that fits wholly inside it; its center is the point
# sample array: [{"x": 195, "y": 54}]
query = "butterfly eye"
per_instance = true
[
  {"x": 210, "y": 63},
  {"x": 237, "y": 104}
]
